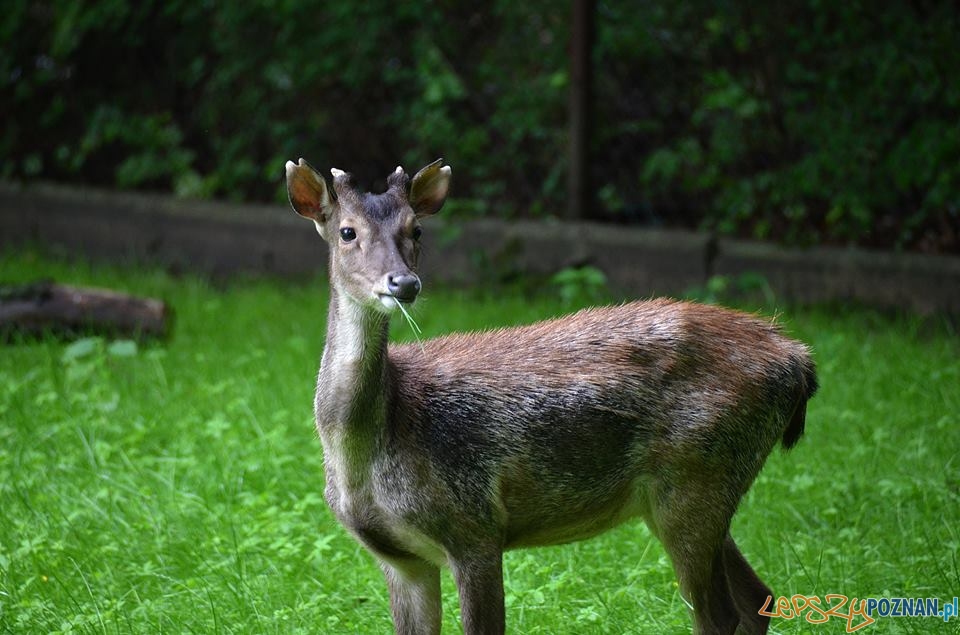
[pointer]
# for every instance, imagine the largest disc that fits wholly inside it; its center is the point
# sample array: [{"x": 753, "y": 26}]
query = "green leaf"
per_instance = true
[
  {"x": 81, "y": 348},
  {"x": 122, "y": 348}
]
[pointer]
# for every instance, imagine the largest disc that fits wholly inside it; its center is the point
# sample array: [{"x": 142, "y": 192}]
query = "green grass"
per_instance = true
[{"x": 176, "y": 487}]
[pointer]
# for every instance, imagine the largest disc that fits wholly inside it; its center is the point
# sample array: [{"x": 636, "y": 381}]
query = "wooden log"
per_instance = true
[{"x": 47, "y": 307}]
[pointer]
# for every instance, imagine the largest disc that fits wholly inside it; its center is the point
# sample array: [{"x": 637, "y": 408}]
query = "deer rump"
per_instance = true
[{"x": 558, "y": 431}]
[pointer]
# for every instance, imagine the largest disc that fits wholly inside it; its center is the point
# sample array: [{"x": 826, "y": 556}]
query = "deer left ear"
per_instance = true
[
  {"x": 429, "y": 187},
  {"x": 307, "y": 191}
]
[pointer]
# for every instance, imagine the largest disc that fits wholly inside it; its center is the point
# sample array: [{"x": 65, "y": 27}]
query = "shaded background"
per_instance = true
[
  {"x": 165, "y": 486},
  {"x": 802, "y": 122}
]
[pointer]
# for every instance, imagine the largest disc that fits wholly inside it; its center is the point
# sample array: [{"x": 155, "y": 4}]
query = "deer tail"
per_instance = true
[{"x": 808, "y": 386}]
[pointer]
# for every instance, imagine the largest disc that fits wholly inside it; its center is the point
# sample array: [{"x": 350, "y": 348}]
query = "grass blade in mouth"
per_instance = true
[{"x": 413, "y": 325}]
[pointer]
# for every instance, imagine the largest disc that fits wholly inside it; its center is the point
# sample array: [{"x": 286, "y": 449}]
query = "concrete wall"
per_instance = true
[{"x": 223, "y": 238}]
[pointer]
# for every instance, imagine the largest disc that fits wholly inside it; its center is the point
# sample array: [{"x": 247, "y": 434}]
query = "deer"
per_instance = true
[{"x": 450, "y": 452}]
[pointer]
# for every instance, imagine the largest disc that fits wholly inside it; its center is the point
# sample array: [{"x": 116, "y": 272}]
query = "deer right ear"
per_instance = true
[{"x": 308, "y": 192}]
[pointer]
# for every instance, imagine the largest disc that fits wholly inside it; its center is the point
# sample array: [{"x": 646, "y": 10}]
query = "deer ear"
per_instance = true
[
  {"x": 428, "y": 190},
  {"x": 307, "y": 191}
]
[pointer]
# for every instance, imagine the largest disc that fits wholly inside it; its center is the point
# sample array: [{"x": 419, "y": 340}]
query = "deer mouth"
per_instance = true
[{"x": 391, "y": 301}]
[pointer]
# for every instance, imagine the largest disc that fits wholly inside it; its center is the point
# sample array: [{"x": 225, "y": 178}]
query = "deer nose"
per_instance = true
[{"x": 403, "y": 286}]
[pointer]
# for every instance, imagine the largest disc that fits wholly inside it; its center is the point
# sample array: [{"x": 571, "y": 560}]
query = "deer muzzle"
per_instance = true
[{"x": 403, "y": 286}]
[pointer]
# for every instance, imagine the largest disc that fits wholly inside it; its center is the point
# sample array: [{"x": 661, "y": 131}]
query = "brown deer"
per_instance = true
[{"x": 451, "y": 452}]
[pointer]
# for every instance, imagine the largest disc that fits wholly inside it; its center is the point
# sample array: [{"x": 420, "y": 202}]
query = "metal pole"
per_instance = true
[{"x": 579, "y": 195}]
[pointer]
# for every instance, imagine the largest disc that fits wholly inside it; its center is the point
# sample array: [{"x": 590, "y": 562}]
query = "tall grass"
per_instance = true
[{"x": 176, "y": 486}]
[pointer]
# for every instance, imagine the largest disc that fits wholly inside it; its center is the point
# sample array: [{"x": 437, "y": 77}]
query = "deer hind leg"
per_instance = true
[
  {"x": 692, "y": 526},
  {"x": 748, "y": 591},
  {"x": 414, "y": 597}
]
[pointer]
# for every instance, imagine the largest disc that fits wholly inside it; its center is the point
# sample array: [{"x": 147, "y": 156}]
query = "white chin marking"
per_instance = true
[{"x": 389, "y": 302}]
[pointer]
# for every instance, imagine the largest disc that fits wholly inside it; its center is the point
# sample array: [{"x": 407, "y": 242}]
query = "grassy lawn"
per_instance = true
[{"x": 176, "y": 487}]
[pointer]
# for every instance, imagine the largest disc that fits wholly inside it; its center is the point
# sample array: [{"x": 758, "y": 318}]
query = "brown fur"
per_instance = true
[
  {"x": 476, "y": 443},
  {"x": 625, "y": 392}
]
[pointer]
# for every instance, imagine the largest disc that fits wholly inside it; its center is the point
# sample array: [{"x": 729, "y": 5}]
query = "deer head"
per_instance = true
[{"x": 374, "y": 239}]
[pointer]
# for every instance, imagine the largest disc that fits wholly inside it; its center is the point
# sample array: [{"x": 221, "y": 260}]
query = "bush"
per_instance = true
[{"x": 800, "y": 121}]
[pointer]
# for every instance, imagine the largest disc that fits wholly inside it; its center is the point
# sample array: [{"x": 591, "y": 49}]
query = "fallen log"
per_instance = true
[{"x": 46, "y": 307}]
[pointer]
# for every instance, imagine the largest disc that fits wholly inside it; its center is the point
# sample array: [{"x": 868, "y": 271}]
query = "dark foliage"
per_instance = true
[{"x": 802, "y": 121}]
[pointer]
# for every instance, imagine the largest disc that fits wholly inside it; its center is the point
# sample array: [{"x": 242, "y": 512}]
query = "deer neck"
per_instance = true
[{"x": 351, "y": 399}]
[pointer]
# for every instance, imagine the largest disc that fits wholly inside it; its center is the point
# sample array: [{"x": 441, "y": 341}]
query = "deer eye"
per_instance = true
[
  {"x": 417, "y": 232},
  {"x": 348, "y": 234}
]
